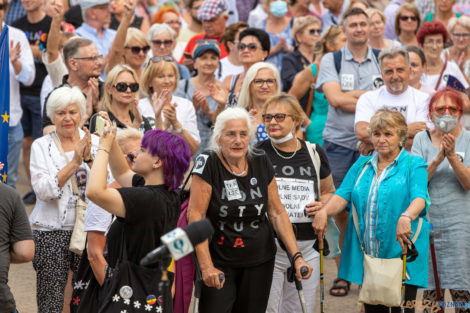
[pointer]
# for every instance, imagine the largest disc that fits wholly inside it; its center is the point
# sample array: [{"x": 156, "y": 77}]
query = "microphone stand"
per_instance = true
[{"x": 164, "y": 287}]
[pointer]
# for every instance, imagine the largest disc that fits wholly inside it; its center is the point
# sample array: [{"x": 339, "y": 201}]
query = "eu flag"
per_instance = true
[{"x": 4, "y": 100}]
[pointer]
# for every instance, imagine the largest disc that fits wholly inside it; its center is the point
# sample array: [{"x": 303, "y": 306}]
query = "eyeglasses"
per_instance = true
[
  {"x": 251, "y": 47},
  {"x": 157, "y": 59},
  {"x": 260, "y": 82},
  {"x": 94, "y": 59},
  {"x": 279, "y": 117},
  {"x": 162, "y": 42},
  {"x": 137, "y": 49},
  {"x": 405, "y": 18},
  {"x": 173, "y": 22},
  {"x": 122, "y": 87},
  {"x": 461, "y": 35},
  {"x": 442, "y": 110},
  {"x": 430, "y": 43},
  {"x": 314, "y": 31}
]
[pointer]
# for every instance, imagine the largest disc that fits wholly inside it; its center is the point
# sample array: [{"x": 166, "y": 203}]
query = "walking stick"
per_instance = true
[
  {"x": 197, "y": 284},
  {"x": 434, "y": 267},
  {"x": 322, "y": 284},
  {"x": 403, "y": 279}
]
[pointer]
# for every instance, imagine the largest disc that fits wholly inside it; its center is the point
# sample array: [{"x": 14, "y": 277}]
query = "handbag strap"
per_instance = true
[
  {"x": 311, "y": 94},
  {"x": 73, "y": 179},
  {"x": 440, "y": 75},
  {"x": 311, "y": 147},
  {"x": 354, "y": 212}
]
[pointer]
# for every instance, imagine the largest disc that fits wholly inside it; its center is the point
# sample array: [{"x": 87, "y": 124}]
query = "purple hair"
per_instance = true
[{"x": 174, "y": 153}]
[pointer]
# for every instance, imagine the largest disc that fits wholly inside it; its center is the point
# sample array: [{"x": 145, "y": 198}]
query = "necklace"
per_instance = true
[
  {"x": 288, "y": 157},
  {"x": 233, "y": 172}
]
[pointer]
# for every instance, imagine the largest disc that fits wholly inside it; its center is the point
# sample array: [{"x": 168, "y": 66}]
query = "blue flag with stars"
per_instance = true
[{"x": 4, "y": 100}]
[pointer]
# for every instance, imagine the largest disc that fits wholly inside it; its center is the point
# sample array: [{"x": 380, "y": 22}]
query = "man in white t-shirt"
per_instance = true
[{"x": 395, "y": 95}]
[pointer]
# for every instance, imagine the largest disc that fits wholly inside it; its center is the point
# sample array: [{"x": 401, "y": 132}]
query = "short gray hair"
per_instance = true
[
  {"x": 130, "y": 133},
  {"x": 158, "y": 29},
  {"x": 392, "y": 52},
  {"x": 229, "y": 114},
  {"x": 62, "y": 97}
]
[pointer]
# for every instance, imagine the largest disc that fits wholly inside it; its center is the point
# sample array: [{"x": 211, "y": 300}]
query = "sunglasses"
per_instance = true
[
  {"x": 137, "y": 49},
  {"x": 157, "y": 59},
  {"x": 131, "y": 156},
  {"x": 443, "y": 109},
  {"x": 405, "y": 18},
  {"x": 251, "y": 47},
  {"x": 279, "y": 117},
  {"x": 162, "y": 42},
  {"x": 94, "y": 58},
  {"x": 260, "y": 82},
  {"x": 314, "y": 31},
  {"x": 122, "y": 87}
]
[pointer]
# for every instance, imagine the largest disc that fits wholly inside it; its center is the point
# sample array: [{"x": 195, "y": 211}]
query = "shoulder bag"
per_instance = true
[
  {"x": 78, "y": 239},
  {"x": 382, "y": 278}
]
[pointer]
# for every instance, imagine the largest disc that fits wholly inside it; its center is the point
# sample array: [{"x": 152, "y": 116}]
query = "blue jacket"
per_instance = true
[{"x": 407, "y": 181}]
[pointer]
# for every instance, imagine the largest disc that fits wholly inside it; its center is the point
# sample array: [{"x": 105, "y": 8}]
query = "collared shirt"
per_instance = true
[
  {"x": 101, "y": 43},
  {"x": 15, "y": 11},
  {"x": 26, "y": 75},
  {"x": 328, "y": 19},
  {"x": 371, "y": 244},
  {"x": 339, "y": 128}
]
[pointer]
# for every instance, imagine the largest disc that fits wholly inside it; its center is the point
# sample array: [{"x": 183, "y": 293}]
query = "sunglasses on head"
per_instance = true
[
  {"x": 279, "y": 117},
  {"x": 137, "y": 49},
  {"x": 122, "y": 87},
  {"x": 157, "y": 59},
  {"x": 250, "y": 47},
  {"x": 410, "y": 18},
  {"x": 314, "y": 31},
  {"x": 162, "y": 42}
]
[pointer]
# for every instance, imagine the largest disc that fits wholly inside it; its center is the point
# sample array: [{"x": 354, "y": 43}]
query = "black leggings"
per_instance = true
[
  {"x": 245, "y": 290},
  {"x": 410, "y": 295}
]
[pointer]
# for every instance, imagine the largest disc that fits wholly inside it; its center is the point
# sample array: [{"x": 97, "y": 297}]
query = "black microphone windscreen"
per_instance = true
[{"x": 199, "y": 231}]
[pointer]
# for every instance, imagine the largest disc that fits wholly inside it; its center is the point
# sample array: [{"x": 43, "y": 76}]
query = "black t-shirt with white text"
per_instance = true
[
  {"x": 237, "y": 209},
  {"x": 151, "y": 211},
  {"x": 37, "y": 35},
  {"x": 297, "y": 183}
]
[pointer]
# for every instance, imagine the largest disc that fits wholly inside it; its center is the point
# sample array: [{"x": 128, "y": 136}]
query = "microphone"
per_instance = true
[{"x": 180, "y": 242}]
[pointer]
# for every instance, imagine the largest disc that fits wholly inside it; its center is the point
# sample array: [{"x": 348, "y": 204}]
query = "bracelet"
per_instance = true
[
  {"x": 103, "y": 150},
  {"x": 296, "y": 256},
  {"x": 407, "y": 215}
]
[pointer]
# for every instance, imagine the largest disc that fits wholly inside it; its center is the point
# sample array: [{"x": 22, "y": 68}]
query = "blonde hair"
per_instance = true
[
  {"x": 384, "y": 118},
  {"x": 295, "y": 110},
  {"x": 244, "y": 99},
  {"x": 137, "y": 35},
  {"x": 152, "y": 70},
  {"x": 130, "y": 133},
  {"x": 329, "y": 35},
  {"x": 373, "y": 11},
  {"x": 463, "y": 21},
  {"x": 107, "y": 100},
  {"x": 301, "y": 23}
]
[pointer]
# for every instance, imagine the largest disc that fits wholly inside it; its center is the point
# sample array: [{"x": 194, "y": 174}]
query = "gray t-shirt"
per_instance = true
[
  {"x": 339, "y": 128},
  {"x": 14, "y": 227}
]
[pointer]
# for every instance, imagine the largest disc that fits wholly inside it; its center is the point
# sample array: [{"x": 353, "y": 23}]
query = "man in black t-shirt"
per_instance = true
[
  {"x": 35, "y": 24},
  {"x": 16, "y": 241}
]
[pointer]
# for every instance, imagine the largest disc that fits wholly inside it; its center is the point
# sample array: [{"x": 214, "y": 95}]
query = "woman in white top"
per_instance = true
[
  {"x": 163, "y": 110},
  {"x": 459, "y": 52},
  {"x": 58, "y": 160},
  {"x": 431, "y": 37}
]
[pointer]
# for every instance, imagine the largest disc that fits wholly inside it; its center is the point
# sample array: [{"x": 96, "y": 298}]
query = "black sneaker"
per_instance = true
[{"x": 29, "y": 198}]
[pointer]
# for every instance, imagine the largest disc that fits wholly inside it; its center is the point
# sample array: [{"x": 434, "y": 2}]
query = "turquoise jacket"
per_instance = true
[{"x": 407, "y": 181}]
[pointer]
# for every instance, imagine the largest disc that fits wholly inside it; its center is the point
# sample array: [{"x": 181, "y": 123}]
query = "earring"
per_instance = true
[{"x": 154, "y": 166}]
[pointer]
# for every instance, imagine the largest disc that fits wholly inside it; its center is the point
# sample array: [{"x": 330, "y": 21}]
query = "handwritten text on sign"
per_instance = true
[{"x": 295, "y": 194}]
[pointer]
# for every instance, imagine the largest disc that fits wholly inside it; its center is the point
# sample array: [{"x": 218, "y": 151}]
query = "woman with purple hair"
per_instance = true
[{"x": 148, "y": 204}]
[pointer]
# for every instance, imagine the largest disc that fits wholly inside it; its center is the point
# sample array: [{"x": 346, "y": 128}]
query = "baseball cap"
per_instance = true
[
  {"x": 87, "y": 4},
  {"x": 204, "y": 46},
  {"x": 210, "y": 9}
]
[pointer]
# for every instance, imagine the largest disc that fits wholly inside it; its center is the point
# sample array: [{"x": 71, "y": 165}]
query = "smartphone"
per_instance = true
[{"x": 99, "y": 125}]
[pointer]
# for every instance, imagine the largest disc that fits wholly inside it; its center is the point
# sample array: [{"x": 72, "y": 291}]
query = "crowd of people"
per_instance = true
[{"x": 299, "y": 124}]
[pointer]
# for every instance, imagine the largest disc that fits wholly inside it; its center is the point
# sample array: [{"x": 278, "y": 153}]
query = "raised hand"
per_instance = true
[
  {"x": 15, "y": 51},
  {"x": 218, "y": 94},
  {"x": 138, "y": 119}
]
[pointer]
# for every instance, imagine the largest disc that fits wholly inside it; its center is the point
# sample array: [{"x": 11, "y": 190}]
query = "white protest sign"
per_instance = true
[{"x": 295, "y": 194}]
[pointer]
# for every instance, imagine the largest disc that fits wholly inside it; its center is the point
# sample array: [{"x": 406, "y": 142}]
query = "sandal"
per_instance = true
[{"x": 343, "y": 289}]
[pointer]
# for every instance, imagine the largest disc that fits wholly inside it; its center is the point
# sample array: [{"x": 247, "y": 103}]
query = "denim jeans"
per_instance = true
[
  {"x": 341, "y": 159},
  {"x": 15, "y": 143}
]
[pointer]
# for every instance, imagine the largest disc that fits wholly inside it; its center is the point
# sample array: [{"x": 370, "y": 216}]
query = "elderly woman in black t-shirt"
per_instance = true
[
  {"x": 304, "y": 183},
  {"x": 147, "y": 206},
  {"x": 235, "y": 188}
]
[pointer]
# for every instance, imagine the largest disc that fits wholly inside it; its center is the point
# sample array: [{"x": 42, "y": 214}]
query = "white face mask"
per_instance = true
[
  {"x": 286, "y": 138},
  {"x": 446, "y": 122}
]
